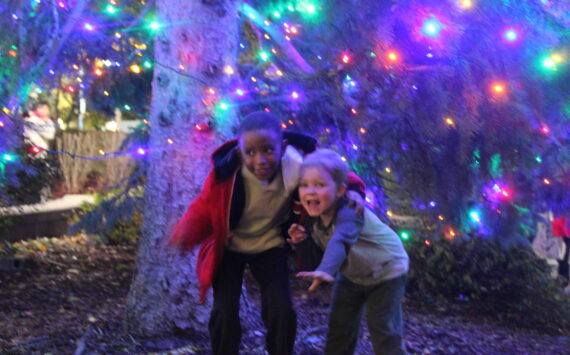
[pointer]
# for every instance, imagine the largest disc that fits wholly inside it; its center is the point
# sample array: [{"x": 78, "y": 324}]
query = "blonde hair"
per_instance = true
[{"x": 330, "y": 161}]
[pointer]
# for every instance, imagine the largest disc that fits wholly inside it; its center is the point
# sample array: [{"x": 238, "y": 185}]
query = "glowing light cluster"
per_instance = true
[
  {"x": 432, "y": 27},
  {"x": 511, "y": 35}
]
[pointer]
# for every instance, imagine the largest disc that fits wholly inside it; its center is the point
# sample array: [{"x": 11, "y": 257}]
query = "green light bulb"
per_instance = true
[
  {"x": 264, "y": 56},
  {"x": 549, "y": 63},
  {"x": 154, "y": 25},
  {"x": 111, "y": 9},
  {"x": 474, "y": 215},
  {"x": 8, "y": 157}
]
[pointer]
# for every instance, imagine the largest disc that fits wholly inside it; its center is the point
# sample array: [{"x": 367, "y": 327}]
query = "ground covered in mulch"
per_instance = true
[{"x": 68, "y": 298}]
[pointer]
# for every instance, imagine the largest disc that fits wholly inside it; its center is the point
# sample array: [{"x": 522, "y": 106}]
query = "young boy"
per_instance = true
[
  {"x": 238, "y": 217},
  {"x": 39, "y": 128},
  {"x": 369, "y": 255}
]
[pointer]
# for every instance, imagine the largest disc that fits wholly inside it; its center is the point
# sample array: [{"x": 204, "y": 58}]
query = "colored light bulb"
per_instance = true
[
  {"x": 511, "y": 35},
  {"x": 432, "y": 27},
  {"x": 88, "y": 27}
]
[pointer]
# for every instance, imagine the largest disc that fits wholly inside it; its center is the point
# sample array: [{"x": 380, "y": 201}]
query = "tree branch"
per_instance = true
[{"x": 256, "y": 18}]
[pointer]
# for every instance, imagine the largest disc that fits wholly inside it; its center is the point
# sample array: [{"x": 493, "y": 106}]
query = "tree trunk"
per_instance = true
[{"x": 194, "y": 43}]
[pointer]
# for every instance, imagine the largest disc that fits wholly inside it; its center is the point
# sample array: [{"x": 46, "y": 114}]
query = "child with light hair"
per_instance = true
[{"x": 368, "y": 256}]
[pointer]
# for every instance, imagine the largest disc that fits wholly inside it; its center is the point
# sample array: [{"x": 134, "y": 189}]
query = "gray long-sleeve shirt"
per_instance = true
[{"x": 361, "y": 247}]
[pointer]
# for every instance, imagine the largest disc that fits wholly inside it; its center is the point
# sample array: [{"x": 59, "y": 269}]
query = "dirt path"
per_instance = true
[{"x": 69, "y": 299}]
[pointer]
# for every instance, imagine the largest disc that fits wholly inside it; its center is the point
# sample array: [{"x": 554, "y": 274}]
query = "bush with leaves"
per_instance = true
[
  {"x": 35, "y": 180},
  {"x": 511, "y": 282},
  {"x": 115, "y": 217}
]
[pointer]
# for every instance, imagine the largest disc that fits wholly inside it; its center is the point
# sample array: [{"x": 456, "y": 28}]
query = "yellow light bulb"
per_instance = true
[
  {"x": 557, "y": 58},
  {"x": 498, "y": 88},
  {"x": 466, "y": 4},
  {"x": 229, "y": 70}
]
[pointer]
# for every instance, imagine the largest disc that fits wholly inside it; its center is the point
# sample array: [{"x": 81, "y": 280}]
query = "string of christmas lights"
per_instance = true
[{"x": 267, "y": 83}]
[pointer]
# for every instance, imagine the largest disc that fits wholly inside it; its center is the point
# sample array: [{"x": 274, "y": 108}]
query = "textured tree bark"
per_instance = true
[{"x": 196, "y": 40}]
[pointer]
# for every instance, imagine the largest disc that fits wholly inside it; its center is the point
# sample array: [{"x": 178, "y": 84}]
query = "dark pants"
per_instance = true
[
  {"x": 383, "y": 314},
  {"x": 563, "y": 265},
  {"x": 270, "y": 270}
]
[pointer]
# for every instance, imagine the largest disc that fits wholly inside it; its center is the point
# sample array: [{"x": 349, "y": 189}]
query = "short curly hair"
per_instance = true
[{"x": 260, "y": 120}]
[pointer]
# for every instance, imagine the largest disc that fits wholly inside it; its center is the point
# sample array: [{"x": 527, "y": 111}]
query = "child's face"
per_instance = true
[
  {"x": 43, "y": 110},
  {"x": 261, "y": 152},
  {"x": 318, "y": 191}
]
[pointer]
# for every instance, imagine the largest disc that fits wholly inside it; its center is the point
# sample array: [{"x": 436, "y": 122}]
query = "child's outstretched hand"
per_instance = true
[
  {"x": 317, "y": 276},
  {"x": 355, "y": 201},
  {"x": 297, "y": 233}
]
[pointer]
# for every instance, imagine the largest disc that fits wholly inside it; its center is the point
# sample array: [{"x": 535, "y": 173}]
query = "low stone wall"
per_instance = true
[
  {"x": 48, "y": 219},
  {"x": 41, "y": 224}
]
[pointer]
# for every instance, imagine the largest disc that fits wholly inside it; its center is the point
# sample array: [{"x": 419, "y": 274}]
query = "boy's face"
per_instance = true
[
  {"x": 261, "y": 152},
  {"x": 318, "y": 191}
]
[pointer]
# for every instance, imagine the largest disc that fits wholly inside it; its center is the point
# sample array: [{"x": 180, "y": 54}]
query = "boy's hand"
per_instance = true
[
  {"x": 317, "y": 276},
  {"x": 297, "y": 233},
  {"x": 355, "y": 201}
]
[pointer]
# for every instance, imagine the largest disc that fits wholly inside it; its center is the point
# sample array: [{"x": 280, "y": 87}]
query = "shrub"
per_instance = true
[
  {"x": 509, "y": 282},
  {"x": 35, "y": 180},
  {"x": 116, "y": 217},
  {"x": 125, "y": 232}
]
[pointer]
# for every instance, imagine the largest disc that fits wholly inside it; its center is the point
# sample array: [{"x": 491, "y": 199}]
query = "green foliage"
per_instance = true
[
  {"x": 35, "y": 180},
  {"x": 430, "y": 115},
  {"x": 115, "y": 217},
  {"x": 125, "y": 232},
  {"x": 510, "y": 283}
]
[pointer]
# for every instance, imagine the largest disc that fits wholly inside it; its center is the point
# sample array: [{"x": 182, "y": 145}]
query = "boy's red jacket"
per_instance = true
[
  {"x": 218, "y": 207},
  {"x": 560, "y": 227},
  {"x": 207, "y": 223}
]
